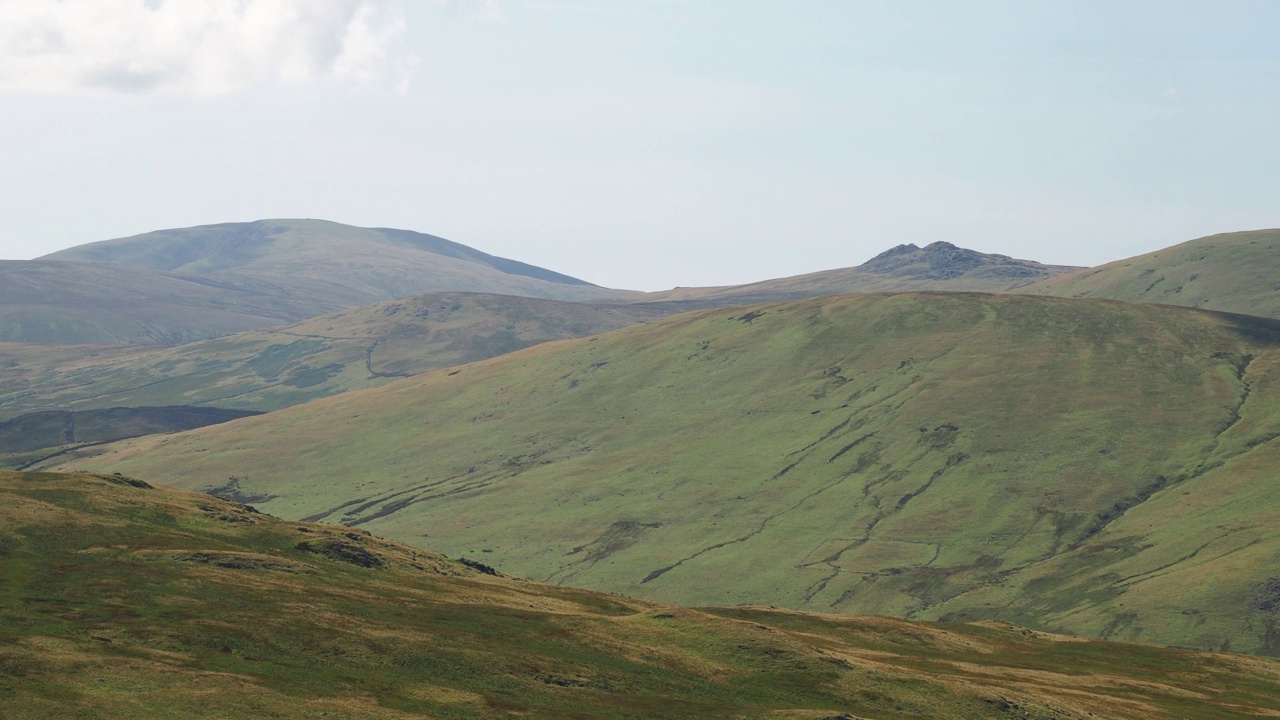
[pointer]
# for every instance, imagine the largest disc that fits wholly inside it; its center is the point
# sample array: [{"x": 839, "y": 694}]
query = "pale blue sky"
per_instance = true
[{"x": 647, "y": 144}]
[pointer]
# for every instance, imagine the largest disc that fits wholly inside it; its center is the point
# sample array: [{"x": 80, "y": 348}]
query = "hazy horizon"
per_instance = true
[{"x": 646, "y": 144}]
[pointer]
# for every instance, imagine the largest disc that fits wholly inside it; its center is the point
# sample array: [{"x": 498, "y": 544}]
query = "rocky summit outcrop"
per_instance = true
[{"x": 943, "y": 261}]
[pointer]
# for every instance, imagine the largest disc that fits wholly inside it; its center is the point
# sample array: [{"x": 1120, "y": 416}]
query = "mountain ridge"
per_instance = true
[
  {"x": 939, "y": 266},
  {"x": 174, "y": 286},
  {"x": 207, "y": 249},
  {"x": 1231, "y": 272}
]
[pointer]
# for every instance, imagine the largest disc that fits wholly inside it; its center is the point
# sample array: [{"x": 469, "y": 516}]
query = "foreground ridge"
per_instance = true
[{"x": 126, "y": 600}]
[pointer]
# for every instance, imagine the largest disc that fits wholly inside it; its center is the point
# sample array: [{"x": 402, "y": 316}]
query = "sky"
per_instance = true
[{"x": 647, "y": 144}]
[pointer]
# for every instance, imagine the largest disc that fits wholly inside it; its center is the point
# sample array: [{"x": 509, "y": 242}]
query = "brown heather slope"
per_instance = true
[
  {"x": 123, "y": 600},
  {"x": 1233, "y": 272},
  {"x": 1089, "y": 466}
]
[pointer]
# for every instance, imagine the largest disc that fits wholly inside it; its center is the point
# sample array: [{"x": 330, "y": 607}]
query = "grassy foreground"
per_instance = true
[
  {"x": 122, "y": 600},
  {"x": 1093, "y": 467}
]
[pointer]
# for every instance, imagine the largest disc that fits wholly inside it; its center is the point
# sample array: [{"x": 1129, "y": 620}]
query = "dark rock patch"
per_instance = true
[
  {"x": 231, "y": 492},
  {"x": 342, "y": 552},
  {"x": 236, "y": 561},
  {"x": 478, "y": 566},
  {"x": 118, "y": 479},
  {"x": 1265, "y": 597}
]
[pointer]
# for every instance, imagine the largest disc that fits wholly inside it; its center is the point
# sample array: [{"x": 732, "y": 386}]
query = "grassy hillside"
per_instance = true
[
  {"x": 939, "y": 266},
  {"x": 271, "y": 369},
  {"x": 22, "y": 363},
  {"x": 122, "y": 600},
  {"x": 1235, "y": 272},
  {"x": 45, "y": 301},
  {"x": 331, "y": 262},
  {"x": 1102, "y": 468}
]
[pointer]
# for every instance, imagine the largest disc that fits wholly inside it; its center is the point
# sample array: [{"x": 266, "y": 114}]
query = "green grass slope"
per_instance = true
[
  {"x": 1101, "y": 468},
  {"x": 1234, "y": 272},
  {"x": 270, "y": 369},
  {"x": 332, "y": 263},
  {"x": 939, "y": 266},
  {"x": 122, "y": 600}
]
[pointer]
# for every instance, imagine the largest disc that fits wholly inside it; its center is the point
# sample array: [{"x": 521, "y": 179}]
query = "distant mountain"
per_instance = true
[
  {"x": 939, "y": 266},
  {"x": 338, "y": 264},
  {"x": 1234, "y": 272},
  {"x": 127, "y": 600},
  {"x": 270, "y": 369},
  {"x": 47, "y": 301},
  {"x": 175, "y": 286},
  {"x": 1090, "y": 466},
  {"x": 942, "y": 261}
]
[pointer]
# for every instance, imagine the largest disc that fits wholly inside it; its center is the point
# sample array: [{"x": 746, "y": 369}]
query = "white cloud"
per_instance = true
[
  {"x": 198, "y": 47},
  {"x": 483, "y": 9}
]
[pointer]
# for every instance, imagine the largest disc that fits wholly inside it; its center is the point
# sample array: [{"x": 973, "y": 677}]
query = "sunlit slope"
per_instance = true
[
  {"x": 1098, "y": 467},
  {"x": 270, "y": 369},
  {"x": 123, "y": 600},
  {"x": 1234, "y": 272}
]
